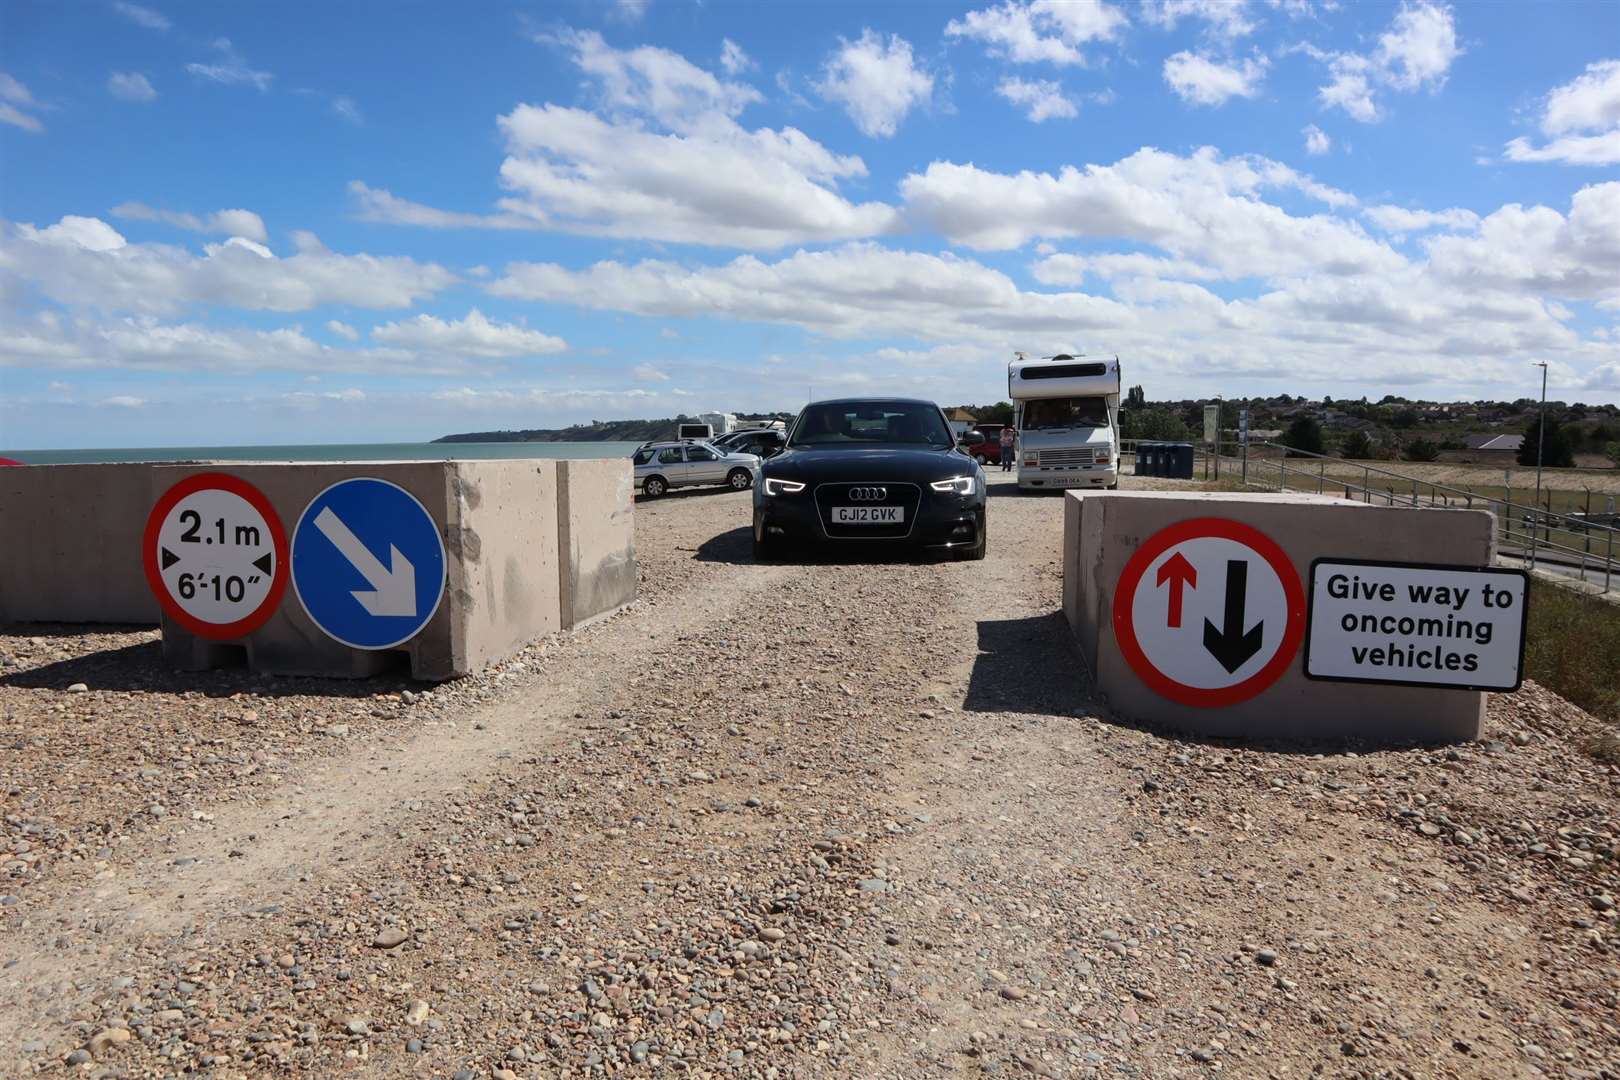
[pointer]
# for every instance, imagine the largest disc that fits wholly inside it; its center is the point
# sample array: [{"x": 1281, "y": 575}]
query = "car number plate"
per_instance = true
[{"x": 869, "y": 515}]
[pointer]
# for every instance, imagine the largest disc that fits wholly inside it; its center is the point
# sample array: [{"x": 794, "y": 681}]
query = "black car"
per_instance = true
[
  {"x": 881, "y": 471},
  {"x": 761, "y": 442}
]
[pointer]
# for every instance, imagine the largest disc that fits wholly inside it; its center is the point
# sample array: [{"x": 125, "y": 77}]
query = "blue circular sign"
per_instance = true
[{"x": 368, "y": 563}]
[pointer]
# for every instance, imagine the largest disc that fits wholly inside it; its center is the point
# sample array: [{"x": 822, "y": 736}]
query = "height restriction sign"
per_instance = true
[
  {"x": 215, "y": 555},
  {"x": 1209, "y": 612}
]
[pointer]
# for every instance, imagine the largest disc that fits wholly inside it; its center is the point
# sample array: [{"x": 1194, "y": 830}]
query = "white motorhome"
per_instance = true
[{"x": 1066, "y": 410}]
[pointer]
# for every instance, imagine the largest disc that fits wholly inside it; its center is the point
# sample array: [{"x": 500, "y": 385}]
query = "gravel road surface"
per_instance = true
[{"x": 831, "y": 818}]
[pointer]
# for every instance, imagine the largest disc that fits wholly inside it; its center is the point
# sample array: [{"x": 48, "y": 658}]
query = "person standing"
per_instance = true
[{"x": 1008, "y": 447}]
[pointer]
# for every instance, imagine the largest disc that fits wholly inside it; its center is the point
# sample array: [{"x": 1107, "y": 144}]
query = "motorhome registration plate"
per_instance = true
[{"x": 869, "y": 515}]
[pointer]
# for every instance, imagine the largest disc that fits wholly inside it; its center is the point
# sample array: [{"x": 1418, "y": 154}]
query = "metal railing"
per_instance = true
[{"x": 1586, "y": 547}]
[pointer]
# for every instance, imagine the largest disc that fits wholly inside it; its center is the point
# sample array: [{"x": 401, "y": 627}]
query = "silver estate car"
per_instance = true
[{"x": 689, "y": 463}]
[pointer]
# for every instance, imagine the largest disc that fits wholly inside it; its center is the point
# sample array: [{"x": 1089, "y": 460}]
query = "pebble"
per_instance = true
[
  {"x": 77, "y": 688},
  {"x": 1014, "y": 993},
  {"x": 417, "y": 1013},
  {"x": 357, "y": 1026},
  {"x": 874, "y": 885},
  {"x": 78, "y": 1057},
  {"x": 1266, "y": 957},
  {"x": 772, "y": 933},
  {"x": 391, "y": 938},
  {"x": 106, "y": 1039},
  {"x": 1603, "y": 902}
]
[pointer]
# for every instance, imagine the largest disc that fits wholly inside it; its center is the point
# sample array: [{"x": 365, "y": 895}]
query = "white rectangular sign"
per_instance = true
[
  {"x": 1212, "y": 424},
  {"x": 1416, "y": 624}
]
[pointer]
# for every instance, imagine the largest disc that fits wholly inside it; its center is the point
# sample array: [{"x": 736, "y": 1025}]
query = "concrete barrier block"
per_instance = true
[
  {"x": 71, "y": 538},
  {"x": 596, "y": 538},
  {"x": 1110, "y": 526},
  {"x": 502, "y": 543}
]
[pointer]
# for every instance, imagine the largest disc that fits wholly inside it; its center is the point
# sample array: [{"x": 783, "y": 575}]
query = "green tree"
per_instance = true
[
  {"x": 1135, "y": 398},
  {"x": 1555, "y": 450},
  {"x": 1304, "y": 434},
  {"x": 1612, "y": 452},
  {"x": 1159, "y": 425},
  {"x": 1357, "y": 445},
  {"x": 1420, "y": 449}
]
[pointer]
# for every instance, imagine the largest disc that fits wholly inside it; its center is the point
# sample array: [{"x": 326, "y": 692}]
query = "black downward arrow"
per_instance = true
[{"x": 1230, "y": 645}]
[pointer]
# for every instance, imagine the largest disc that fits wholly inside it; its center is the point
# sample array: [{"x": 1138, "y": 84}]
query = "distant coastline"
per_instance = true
[{"x": 636, "y": 431}]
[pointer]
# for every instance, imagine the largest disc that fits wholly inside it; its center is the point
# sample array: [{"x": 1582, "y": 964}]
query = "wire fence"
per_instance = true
[{"x": 1580, "y": 544}]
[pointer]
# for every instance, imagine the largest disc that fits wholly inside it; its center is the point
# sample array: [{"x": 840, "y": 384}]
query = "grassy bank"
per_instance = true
[{"x": 1573, "y": 649}]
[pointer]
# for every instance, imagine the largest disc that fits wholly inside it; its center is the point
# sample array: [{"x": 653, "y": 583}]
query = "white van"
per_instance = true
[
  {"x": 704, "y": 432},
  {"x": 1066, "y": 410}
]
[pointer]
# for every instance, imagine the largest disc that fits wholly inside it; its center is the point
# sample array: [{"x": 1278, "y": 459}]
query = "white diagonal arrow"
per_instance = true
[{"x": 394, "y": 591}]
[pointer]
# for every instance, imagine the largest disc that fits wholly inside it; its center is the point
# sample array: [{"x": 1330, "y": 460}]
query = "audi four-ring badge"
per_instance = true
[{"x": 870, "y": 471}]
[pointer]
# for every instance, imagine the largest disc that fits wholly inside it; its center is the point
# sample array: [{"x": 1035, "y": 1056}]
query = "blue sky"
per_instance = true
[{"x": 259, "y": 223}]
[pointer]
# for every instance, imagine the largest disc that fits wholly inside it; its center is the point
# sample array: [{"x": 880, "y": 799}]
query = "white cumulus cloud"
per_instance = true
[
  {"x": 1416, "y": 51},
  {"x": 1398, "y": 219},
  {"x": 734, "y": 59},
  {"x": 1204, "y": 81},
  {"x": 1040, "y": 31},
  {"x": 476, "y": 336},
  {"x": 16, "y": 104},
  {"x": 230, "y": 69},
  {"x": 131, "y": 86},
  {"x": 702, "y": 179},
  {"x": 1224, "y": 18},
  {"x": 84, "y": 262},
  {"x": 877, "y": 81},
  {"x": 1317, "y": 141},
  {"x": 342, "y": 330},
  {"x": 1042, "y": 99},
  {"x": 244, "y": 223},
  {"x": 1581, "y": 119},
  {"x": 142, "y": 16}
]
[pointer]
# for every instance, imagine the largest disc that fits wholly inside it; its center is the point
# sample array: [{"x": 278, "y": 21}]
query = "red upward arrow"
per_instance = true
[{"x": 1179, "y": 573}]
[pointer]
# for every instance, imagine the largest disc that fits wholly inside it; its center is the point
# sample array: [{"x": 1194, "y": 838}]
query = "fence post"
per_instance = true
[{"x": 1608, "y": 560}]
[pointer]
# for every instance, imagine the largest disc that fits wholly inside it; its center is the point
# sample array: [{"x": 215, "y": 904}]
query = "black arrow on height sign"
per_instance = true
[{"x": 1229, "y": 644}]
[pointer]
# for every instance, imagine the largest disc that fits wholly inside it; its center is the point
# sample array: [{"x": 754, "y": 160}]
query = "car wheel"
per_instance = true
[
  {"x": 977, "y": 552},
  {"x": 740, "y": 479},
  {"x": 654, "y": 486},
  {"x": 979, "y": 458},
  {"x": 765, "y": 549}
]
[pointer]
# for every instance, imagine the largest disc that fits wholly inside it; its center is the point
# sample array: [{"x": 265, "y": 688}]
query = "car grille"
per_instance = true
[
  {"x": 1084, "y": 455},
  {"x": 896, "y": 494}
]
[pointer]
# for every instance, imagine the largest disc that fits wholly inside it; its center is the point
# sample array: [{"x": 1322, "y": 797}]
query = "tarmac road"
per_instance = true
[{"x": 831, "y": 818}]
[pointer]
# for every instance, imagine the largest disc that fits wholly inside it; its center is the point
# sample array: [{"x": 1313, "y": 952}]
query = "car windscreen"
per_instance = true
[
  {"x": 642, "y": 457},
  {"x": 871, "y": 423},
  {"x": 1065, "y": 413}
]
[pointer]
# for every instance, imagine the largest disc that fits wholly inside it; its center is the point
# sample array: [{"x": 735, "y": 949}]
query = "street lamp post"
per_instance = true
[{"x": 1541, "y": 443}]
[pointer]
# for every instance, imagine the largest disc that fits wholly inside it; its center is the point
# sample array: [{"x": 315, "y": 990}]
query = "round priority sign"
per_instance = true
[
  {"x": 1209, "y": 612},
  {"x": 215, "y": 555}
]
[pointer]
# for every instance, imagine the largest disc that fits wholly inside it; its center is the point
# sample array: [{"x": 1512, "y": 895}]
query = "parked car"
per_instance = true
[
  {"x": 983, "y": 443},
  {"x": 879, "y": 471},
  {"x": 660, "y": 466},
  {"x": 761, "y": 442}
]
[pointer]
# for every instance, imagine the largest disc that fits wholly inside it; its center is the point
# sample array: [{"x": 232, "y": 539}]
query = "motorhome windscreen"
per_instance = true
[
  {"x": 869, "y": 422},
  {"x": 1062, "y": 371},
  {"x": 1047, "y": 413}
]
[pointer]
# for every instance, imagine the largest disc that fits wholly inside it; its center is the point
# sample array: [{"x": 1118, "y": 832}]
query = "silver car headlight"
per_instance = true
[
  {"x": 775, "y": 486},
  {"x": 959, "y": 485}
]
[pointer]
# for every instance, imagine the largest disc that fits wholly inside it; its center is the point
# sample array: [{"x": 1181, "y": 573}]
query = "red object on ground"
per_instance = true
[{"x": 11, "y": 461}]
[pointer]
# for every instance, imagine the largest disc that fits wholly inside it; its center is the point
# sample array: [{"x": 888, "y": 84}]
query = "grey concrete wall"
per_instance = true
[
  {"x": 596, "y": 538},
  {"x": 70, "y": 544},
  {"x": 502, "y": 542},
  {"x": 1108, "y": 528}
]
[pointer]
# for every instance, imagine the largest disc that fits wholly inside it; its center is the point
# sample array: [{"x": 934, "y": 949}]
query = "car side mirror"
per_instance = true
[{"x": 969, "y": 437}]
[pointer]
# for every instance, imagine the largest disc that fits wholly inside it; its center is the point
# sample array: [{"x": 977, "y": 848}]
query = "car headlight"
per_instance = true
[
  {"x": 958, "y": 485},
  {"x": 775, "y": 486}
]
